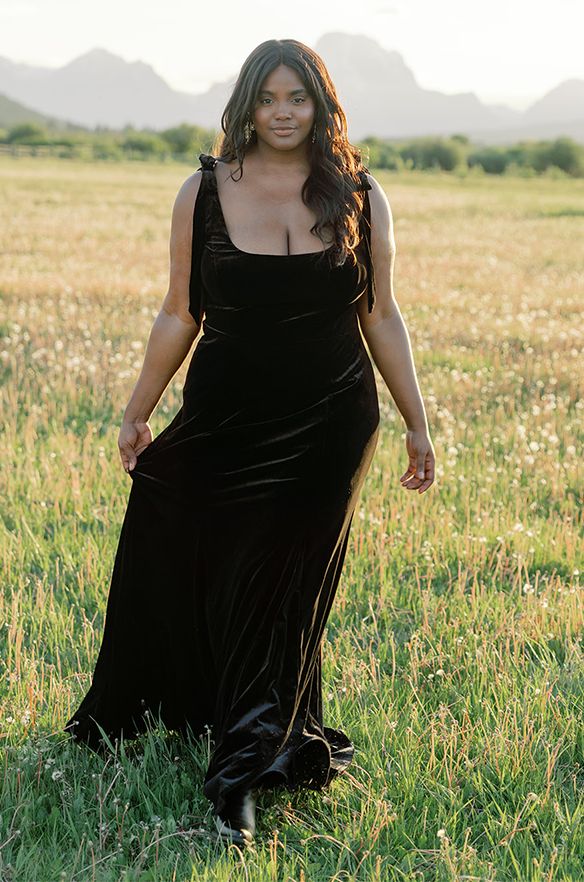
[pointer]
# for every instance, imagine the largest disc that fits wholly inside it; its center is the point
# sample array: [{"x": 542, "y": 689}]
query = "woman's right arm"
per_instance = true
[
  {"x": 388, "y": 341},
  {"x": 172, "y": 333}
]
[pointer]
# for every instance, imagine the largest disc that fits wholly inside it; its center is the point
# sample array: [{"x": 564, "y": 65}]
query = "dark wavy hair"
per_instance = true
[{"x": 333, "y": 187}]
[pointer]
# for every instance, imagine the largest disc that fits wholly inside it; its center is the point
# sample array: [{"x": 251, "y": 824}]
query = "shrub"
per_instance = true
[
  {"x": 441, "y": 153},
  {"x": 492, "y": 160},
  {"x": 146, "y": 143},
  {"x": 27, "y": 133}
]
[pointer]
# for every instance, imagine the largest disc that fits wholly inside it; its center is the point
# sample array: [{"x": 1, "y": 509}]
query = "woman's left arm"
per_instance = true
[{"x": 388, "y": 341}]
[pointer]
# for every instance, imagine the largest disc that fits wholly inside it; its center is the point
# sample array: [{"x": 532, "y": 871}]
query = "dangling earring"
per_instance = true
[
  {"x": 314, "y": 134},
  {"x": 248, "y": 129}
]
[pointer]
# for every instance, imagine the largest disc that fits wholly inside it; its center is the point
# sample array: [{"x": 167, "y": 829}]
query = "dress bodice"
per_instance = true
[{"x": 242, "y": 292}]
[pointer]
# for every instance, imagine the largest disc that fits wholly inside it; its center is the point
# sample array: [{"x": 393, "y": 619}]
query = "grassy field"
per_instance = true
[{"x": 455, "y": 653}]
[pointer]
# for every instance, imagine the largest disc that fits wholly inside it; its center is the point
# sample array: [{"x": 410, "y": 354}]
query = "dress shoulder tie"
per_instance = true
[
  {"x": 207, "y": 161},
  {"x": 365, "y": 225},
  {"x": 199, "y": 237}
]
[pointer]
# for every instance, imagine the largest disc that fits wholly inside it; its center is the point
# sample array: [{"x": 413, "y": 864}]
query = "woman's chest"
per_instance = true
[{"x": 307, "y": 281}]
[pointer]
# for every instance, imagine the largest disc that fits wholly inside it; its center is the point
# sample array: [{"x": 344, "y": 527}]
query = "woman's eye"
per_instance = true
[{"x": 298, "y": 98}]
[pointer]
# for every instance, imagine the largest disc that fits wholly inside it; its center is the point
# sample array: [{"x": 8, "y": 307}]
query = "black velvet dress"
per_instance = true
[{"x": 238, "y": 518}]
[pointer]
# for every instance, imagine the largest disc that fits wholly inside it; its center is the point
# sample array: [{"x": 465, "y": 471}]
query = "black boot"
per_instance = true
[{"x": 237, "y": 823}]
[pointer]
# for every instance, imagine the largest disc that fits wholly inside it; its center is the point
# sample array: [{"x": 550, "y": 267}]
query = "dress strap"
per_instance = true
[
  {"x": 365, "y": 225},
  {"x": 196, "y": 298}
]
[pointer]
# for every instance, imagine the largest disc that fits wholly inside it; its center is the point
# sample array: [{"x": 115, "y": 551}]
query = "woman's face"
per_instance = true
[{"x": 284, "y": 110}]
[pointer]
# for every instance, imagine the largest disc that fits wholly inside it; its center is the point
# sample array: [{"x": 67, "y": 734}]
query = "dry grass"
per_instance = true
[{"x": 454, "y": 655}]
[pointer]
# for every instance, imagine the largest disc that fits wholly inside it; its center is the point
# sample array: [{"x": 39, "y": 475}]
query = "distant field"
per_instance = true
[{"x": 455, "y": 650}]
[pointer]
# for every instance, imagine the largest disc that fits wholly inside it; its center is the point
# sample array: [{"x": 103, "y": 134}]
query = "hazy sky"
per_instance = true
[{"x": 509, "y": 51}]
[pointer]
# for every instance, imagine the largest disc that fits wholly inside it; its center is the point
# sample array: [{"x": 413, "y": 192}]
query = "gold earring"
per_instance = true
[
  {"x": 314, "y": 134},
  {"x": 248, "y": 129}
]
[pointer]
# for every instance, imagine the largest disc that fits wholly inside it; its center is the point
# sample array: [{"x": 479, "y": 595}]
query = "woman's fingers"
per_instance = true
[
  {"x": 128, "y": 457},
  {"x": 133, "y": 439},
  {"x": 409, "y": 472},
  {"x": 428, "y": 474},
  {"x": 419, "y": 474}
]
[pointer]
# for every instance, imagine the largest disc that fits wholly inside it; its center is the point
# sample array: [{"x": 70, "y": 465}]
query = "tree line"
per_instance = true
[
  {"x": 456, "y": 153},
  {"x": 528, "y": 157}
]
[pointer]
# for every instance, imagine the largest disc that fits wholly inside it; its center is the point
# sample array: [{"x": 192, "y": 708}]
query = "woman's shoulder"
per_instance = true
[
  {"x": 189, "y": 189},
  {"x": 379, "y": 213},
  {"x": 186, "y": 197},
  {"x": 376, "y": 194}
]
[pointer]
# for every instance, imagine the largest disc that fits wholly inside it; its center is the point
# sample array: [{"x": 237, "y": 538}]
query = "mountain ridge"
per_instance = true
[{"x": 377, "y": 89}]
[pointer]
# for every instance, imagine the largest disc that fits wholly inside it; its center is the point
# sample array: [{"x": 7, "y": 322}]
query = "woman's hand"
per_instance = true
[
  {"x": 134, "y": 437},
  {"x": 419, "y": 474}
]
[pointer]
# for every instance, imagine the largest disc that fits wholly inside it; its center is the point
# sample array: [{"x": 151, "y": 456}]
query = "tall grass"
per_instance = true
[{"x": 454, "y": 656}]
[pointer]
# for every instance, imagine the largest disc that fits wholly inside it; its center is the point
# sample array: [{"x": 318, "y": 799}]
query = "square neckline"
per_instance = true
[{"x": 254, "y": 253}]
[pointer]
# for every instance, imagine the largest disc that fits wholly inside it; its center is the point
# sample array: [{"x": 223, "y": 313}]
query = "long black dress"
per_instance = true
[{"x": 238, "y": 518}]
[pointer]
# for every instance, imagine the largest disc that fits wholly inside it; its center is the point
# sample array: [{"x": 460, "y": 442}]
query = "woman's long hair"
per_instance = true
[{"x": 332, "y": 189}]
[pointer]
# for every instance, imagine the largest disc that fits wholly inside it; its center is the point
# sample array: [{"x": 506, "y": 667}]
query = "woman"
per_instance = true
[{"x": 239, "y": 513}]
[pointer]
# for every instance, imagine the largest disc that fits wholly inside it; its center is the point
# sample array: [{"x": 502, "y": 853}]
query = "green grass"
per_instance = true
[{"x": 454, "y": 656}]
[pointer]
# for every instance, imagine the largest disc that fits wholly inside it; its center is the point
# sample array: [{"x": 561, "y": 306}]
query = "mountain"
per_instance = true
[
  {"x": 378, "y": 91},
  {"x": 98, "y": 88},
  {"x": 381, "y": 95},
  {"x": 530, "y": 131},
  {"x": 12, "y": 113},
  {"x": 559, "y": 104}
]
